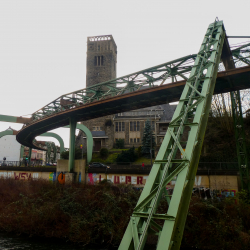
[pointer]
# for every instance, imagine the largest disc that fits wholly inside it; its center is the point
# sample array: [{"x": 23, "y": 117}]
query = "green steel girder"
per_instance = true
[
  {"x": 161, "y": 74},
  {"x": 146, "y": 78},
  {"x": 56, "y": 136},
  {"x": 186, "y": 131},
  {"x": 242, "y": 54},
  {"x": 240, "y": 139}
]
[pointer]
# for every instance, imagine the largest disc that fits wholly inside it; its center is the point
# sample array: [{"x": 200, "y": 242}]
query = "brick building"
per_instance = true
[{"x": 101, "y": 67}]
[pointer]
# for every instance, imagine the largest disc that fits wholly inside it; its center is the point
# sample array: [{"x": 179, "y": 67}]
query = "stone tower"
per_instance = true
[
  {"x": 101, "y": 59},
  {"x": 101, "y": 67}
]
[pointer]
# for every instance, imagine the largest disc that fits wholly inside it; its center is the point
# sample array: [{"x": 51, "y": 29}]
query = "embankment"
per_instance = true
[{"x": 99, "y": 214}]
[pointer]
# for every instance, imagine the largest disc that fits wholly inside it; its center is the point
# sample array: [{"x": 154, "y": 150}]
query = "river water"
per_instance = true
[{"x": 12, "y": 242}]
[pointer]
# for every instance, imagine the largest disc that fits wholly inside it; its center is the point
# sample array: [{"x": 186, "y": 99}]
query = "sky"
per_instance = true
[{"x": 43, "y": 42}]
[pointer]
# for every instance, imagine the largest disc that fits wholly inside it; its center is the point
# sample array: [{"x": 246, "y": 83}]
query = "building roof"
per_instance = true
[{"x": 98, "y": 134}]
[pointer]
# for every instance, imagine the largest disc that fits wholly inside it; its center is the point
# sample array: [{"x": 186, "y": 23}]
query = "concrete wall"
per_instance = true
[
  {"x": 79, "y": 169},
  {"x": 214, "y": 182},
  {"x": 27, "y": 175}
]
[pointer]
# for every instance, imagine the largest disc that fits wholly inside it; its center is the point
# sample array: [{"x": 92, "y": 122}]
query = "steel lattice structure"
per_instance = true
[
  {"x": 165, "y": 73},
  {"x": 179, "y": 154},
  {"x": 191, "y": 115}
]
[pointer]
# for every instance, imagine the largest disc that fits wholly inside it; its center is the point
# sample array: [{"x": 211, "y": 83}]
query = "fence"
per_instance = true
[
  {"x": 10, "y": 163},
  {"x": 138, "y": 166}
]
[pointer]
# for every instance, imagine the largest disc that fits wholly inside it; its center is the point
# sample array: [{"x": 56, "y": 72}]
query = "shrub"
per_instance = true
[
  {"x": 139, "y": 153},
  {"x": 65, "y": 155},
  {"x": 119, "y": 144},
  {"x": 127, "y": 156},
  {"x": 78, "y": 154},
  {"x": 104, "y": 153}
]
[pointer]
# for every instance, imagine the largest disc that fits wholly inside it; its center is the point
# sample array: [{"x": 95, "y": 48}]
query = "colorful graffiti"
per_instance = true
[
  {"x": 19, "y": 175},
  {"x": 117, "y": 179},
  {"x": 61, "y": 178},
  {"x": 52, "y": 176}
]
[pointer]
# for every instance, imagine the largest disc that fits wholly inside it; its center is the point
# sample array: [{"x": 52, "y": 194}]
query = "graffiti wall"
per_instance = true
[
  {"x": 213, "y": 182},
  {"x": 27, "y": 175},
  {"x": 225, "y": 184}
]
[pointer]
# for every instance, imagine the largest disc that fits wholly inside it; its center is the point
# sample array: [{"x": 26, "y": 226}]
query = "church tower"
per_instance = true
[
  {"x": 101, "y": 59},
  {"x": 101, "y": 67}
]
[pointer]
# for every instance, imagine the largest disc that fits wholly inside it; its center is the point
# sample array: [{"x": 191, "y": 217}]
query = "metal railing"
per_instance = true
[{"x": 10, "y": 163}]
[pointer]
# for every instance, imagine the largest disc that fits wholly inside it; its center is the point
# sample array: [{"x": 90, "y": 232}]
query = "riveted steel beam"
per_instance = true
[{"x": 184, "y": 137}]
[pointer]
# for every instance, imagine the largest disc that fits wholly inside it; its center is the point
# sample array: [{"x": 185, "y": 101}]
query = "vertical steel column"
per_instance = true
[
  {"x": 30, "y": 152},
  {"x": 239, "y": 131},
  {"x": 186, "y": 131},
  {"x": 21, "y": 152},
  {"x": 72, "y": 138},
  {"x": 240, "y": 140}
]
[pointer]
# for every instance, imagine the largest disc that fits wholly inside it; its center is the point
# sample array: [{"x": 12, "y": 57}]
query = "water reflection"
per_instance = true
[{"x": 11, "y": 242}]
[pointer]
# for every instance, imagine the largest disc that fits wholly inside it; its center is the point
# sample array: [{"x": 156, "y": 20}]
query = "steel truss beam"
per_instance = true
[
  {"x": 242, "y": 54},
  {"x": 165, "y": 73},
  {"x": 184, "y": 137}
]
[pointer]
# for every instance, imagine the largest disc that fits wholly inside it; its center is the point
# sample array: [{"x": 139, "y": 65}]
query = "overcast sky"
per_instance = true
[{"x": 43, "y": 43}]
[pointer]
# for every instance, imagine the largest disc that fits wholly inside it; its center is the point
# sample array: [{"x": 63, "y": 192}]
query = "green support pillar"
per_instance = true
[
  {"x": 59, "y": 138},
  {"x": 240, "y": 139},
  {"x": 90, "y": 141},
  {"x": 72, "y": 138},
  {"x": 21, "y": 151},
  {"x": 30, "y": 151},
  {"x": 190, "y": 118}
]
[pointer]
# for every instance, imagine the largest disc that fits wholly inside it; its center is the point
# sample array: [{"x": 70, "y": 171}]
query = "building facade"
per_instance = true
[{"x": 101, "y": 67}]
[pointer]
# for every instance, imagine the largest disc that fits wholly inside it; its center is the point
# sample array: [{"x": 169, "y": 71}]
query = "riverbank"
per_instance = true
[{"x": 99, "y": 214}]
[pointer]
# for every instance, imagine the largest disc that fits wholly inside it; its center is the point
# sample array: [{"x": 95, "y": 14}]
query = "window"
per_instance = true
[
  {"x": 96, "y": 128},
  {"x": 134, "y": 140},
  {"x": 134, "y": 126},
  {"x": 119, "y": 126},
  {"x": 98, "y": 60}
]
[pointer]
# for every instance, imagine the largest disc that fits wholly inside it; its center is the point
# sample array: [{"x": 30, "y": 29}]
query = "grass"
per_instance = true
[
  {"x": 146, "y": 161},
  {"x": 113, "y": 155}
]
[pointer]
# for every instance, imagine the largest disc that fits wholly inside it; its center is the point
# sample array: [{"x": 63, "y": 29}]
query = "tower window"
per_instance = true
[{"x": 98, "y": 60}]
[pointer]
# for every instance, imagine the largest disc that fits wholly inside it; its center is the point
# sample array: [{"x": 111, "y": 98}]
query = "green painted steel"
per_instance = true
[
  {"x": 21, "y": 151},
  {"x": 50, "y": 147},
  {"x": 6, "y": 132},
  {"x": 242, "y": 54},
  {"x": 165, "y": 73},
  {"x": 59, "y": 138},
  {"x": 90, "y": 141},
  {"x": 240, "y": 138},
  {"x": 30, "y": 152},
  {"x": 72, "y": 124},
  {"x": 8, "y": 118},
  {"x": 183, "y": 138}
]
